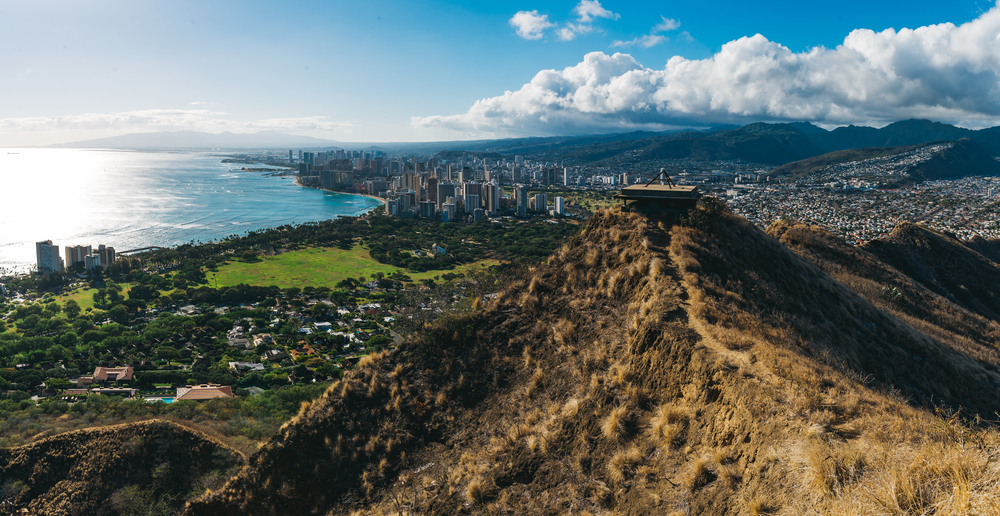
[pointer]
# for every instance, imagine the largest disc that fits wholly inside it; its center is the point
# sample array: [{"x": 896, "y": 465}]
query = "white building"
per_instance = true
[
  {"x": 76, "y": 253},
  {"x": 448, "y": 212},
  {"x": 560, "y": 206},
  {"x": 47, "y": 256},
  {"x": 92, "y": 261}
]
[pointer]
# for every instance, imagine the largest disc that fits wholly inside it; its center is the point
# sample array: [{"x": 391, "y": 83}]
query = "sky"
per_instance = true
[{"x": 383, "y": 71}]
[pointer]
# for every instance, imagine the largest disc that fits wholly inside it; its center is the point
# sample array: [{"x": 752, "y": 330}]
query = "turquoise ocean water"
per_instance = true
[{"x": 131, "y": 199}]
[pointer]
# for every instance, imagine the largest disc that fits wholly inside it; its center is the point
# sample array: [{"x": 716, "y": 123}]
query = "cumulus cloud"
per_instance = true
[
  {"x": 587, "y": 11},
  {"x": 530, "y": 25},
  {"x": 164, "y": 120},
  {"x": 943, "y": 72},
  {"x": 590, "y": 10}
]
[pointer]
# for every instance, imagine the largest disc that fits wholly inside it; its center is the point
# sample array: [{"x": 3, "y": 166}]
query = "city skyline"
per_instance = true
[{"x": 387, "y": 71}]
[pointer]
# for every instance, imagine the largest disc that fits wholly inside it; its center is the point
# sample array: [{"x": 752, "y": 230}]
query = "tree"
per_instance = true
[
  {"x": 71, "y": 309},
  {"x": 52, "y": 309},
  {"x": 143, "y": 292},
  {"x": 378, "y": 342},
  {"x": 167, "y": 353},
  {"x": 69, "y": 339},
  {"x": 58, "y": 384},
  {"x": 118, "y": 314}
]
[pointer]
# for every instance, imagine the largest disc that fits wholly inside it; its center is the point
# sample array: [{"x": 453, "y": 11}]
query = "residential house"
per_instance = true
[{"x": 205, "y": 391}]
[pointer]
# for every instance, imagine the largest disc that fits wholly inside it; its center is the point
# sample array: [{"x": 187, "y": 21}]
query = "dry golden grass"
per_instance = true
[
  {"x": 613, "y": 426},
  {"x": 699, "y": 474},
  {"x": 623, "y": 464},
  {"x": 747, "y": 378}
]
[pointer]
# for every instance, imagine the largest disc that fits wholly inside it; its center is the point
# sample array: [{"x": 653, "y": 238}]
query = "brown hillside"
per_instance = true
[
  {"x": 892, "y": 291},
  {"x": 114, "y": 470},
  {"x": 944, "y": 265},
  {"x": 646, "y": 370}
]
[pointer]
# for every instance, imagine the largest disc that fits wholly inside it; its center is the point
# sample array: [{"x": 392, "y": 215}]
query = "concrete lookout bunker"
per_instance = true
[{"x": 659, "y": 196}]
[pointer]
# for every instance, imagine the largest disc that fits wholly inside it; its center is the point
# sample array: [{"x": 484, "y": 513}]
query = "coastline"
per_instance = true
[
  {"x": 375, "y": 197},
  {"x": 203, "y": 201}
]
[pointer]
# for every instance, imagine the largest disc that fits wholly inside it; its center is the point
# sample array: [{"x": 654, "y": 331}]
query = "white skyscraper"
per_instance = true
[
  {"x": 560, "y": 206},
  {"x": 47, "y": 255},
  {"x": 76, "y": 253}
]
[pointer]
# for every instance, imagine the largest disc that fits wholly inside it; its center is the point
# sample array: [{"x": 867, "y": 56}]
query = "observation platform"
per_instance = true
[{"x": 659, "y": 196}]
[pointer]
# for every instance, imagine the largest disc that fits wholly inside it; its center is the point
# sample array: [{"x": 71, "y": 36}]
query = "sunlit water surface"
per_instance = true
[{"x": 129, "y": 200}]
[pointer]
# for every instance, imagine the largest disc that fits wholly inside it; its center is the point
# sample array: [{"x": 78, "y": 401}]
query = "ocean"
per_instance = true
[{"x": 133, "y": 199}]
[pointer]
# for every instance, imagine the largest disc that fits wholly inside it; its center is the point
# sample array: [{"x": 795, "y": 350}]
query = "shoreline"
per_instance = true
[
  {"x": 384, "y": 202},
  {"x": 14, "y": 268}
]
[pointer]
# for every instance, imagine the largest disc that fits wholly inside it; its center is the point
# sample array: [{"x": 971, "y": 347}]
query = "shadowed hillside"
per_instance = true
[
  {"x": 649, "y": 369},
  {"x": 944, "y": 265},
  {"x": 892, "y": 291},
  {"x": 136, "y": 468}
]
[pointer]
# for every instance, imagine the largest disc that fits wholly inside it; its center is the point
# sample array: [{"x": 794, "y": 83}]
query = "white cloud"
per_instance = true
[
  {"x": 589, "y": 10},
  {"x": 653, "y": 38},
  {"x": 943, "y": 72},
  {"x": 649, "y": 40},
  {"x": 667, "y": 25},
  {"x": 530, "y": 25}
]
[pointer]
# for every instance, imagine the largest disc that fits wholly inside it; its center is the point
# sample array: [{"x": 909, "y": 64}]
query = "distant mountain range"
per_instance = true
[
  {"x": 773, "y": 144},
  {"x": 200, "y": 140}
]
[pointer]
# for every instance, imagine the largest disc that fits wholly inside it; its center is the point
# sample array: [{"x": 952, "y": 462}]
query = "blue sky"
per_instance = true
[{"x": 384, "y": 71}]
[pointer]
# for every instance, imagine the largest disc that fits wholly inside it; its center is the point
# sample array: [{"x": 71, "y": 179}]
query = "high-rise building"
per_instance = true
[
  {"x": 290, "y": 156},
  {"x": 76, "y": 254},
  {"x": 541, "y": 202},
  {"x": 448, "y": 212},
  {"x": 519, "y": 159},
  {"x": 432, "y": 189},
  {"x": 444, "y": 191},
  {"x": 521, "y": 198},
  {"x": 560, "y": 206},
  {"x": 581, "y": 181},
  {"x": 107, "y": 254},
  {"x": 47, "y": 257},
  {"x": 92, "y": 261},
  {"x": 491, "y": 197},
  {"x": 472, "y": 202},
  {"x": 549, "y": 175},
  {"x": 376, "y": 187},
  {"x": 566, "y": 176},
  {"x": 427, "y": 209}
]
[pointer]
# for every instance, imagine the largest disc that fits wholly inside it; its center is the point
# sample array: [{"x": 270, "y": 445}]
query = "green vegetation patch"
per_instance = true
[{"x": 314, "y": 267}]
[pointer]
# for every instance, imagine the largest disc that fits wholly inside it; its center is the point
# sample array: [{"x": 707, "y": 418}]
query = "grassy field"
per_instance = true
[
  {"x": 313, "y": 267},
  {"x": 85, "y": 296}
]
